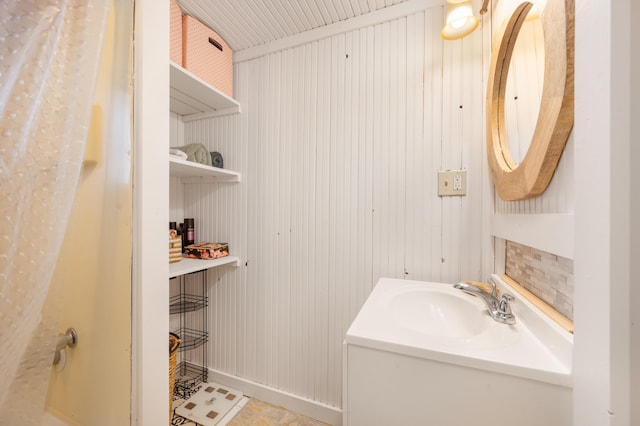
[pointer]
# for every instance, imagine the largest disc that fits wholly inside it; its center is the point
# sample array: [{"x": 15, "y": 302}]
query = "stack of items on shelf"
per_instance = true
[
  {"x": 195, "y": 152},
  {"x": 201, "y": 50},
  {"x": 175, "y": 246},
  {"x": 176, "y": 153},
  {"x": 207, "y": 250}
]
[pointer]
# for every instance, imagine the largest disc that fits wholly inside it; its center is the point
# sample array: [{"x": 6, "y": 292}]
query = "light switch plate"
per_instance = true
[{"x": 452, "y": 183}]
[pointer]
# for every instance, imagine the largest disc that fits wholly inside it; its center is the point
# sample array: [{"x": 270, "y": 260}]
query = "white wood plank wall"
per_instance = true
[
  {"x": 176, "y": 189},
  {"x": 558, "y": 198},
  {"x": 338, "y": 144}
]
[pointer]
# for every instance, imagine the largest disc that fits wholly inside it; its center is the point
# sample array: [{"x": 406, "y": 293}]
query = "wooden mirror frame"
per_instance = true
[{"x": 531, "y": 177}]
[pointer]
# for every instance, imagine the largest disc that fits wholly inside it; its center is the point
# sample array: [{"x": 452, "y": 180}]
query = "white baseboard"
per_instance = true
[{"x": 298, "y": 404}]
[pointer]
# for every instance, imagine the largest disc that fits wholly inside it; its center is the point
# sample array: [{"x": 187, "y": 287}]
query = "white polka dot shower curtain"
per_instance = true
[{"x": 49, "y": 57}]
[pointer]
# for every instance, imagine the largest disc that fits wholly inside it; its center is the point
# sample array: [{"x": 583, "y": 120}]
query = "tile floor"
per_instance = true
[
  {"x": 253, "y": 412},
  {"x": 257, "y": 412}
]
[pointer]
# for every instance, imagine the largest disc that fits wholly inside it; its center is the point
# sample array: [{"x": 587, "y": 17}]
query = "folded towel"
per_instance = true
[
  {"x": 196, "y": 152},
  {"x": 178, "y": 153}
]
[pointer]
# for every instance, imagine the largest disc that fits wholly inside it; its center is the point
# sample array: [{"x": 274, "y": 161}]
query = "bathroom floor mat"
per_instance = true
[{"x": 209, "y": 405}]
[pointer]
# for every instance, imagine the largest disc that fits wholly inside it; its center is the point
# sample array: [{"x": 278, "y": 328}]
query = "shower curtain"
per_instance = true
[{"x": 49, "y": 57}]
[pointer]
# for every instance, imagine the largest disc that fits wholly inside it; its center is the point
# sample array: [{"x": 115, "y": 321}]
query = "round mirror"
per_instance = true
[
  {"x": 520, "y": 177},
  {"x": 524, "y": 86}
]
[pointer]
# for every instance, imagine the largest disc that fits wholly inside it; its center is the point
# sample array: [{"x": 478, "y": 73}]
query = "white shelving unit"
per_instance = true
[
  {"x": 193, "y": 98},
  {"x": 188, "y": 265},
  {"x": 190, "y": 172}
]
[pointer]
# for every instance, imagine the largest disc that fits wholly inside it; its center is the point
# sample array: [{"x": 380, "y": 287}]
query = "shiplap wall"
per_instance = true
[
  {"x": 338, "y": 143},
  {"x": 558, "y": 198}
]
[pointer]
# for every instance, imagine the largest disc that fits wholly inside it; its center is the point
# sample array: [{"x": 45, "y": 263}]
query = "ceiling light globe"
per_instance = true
[{"x": 460, "y": 21}]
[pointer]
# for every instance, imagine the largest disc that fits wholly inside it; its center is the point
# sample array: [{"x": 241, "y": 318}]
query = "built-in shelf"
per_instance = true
[
  {"x": 189, "y": 265},
  {"x": 188, "y": 377},
  {"x": 182, "y": 303},
  {"x": 193, "y": 98},
  {"x": 191, "y": 172},
  {"x": 191, "y": 338}
]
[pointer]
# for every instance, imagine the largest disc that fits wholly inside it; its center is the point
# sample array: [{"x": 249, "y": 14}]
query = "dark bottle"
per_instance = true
[{"x": 189, "y": 231}]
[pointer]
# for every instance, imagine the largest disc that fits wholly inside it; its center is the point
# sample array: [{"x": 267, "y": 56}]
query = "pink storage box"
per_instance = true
[
  {"x": 175, "y": 33},
  {"x": 206, "y": 54}
]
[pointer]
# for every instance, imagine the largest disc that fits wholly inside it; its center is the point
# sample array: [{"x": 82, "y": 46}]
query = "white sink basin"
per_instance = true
[
  {"x": 436, "y": 311},
  {"x": 418, "y": 351},
  {"x": 438, "y": 322}
]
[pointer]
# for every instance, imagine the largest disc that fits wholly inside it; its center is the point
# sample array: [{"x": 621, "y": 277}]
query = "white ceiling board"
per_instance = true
[{"x": 248, "y": 23}]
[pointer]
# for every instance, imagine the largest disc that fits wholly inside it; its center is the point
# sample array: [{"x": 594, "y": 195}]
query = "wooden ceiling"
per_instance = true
[{"x": 248, "y": 23}]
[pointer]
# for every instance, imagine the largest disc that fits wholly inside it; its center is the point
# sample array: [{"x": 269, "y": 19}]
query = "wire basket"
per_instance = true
[{"x": 174, "y": 342}]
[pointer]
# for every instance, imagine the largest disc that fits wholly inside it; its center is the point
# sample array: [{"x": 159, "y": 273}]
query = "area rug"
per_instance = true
[{"x": 209, "y": 404}]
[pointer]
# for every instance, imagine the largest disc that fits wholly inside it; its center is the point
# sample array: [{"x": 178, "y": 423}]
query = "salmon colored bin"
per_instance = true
[
  {"x": 206, "y": 54},
  {"x": 175, "y": 33}
]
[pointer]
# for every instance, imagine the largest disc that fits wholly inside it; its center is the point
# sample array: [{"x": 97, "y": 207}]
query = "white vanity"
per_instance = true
[{"x": 423, "y": 353}]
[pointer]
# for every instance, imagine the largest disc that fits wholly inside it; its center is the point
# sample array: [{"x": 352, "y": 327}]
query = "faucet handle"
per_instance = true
[
  {"x": 507, "y": 297},
  {"x": 503, "y": 304},
  {"x": 494, "y": 289},
  {"x": 477, "y": 286}
]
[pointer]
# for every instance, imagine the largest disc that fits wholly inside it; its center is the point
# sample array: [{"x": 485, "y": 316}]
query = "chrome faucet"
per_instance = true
[{"x": 499, "y": 308}]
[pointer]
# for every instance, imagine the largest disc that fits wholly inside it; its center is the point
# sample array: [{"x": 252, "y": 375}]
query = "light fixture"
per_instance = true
[
  {"x": 460, "y": 20},
  {"x": 485, "y": 7}
]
